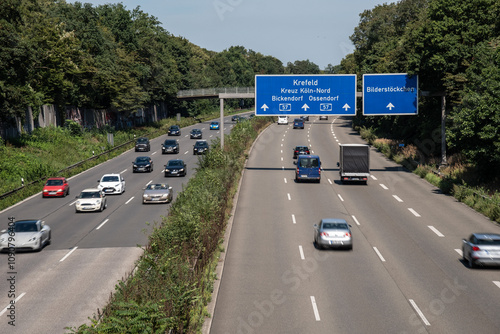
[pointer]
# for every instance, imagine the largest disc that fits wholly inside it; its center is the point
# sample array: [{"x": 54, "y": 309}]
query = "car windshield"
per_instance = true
[
  {"x": 492, "y": 242},
  {"x": 174, "y": 127},
  {"x": 157, "y": 186},
  {"x": 309, "y": 162},
  {"x": 25, "y": 227},
  {"x": 54, "y": 183},
  {"x": 174, "y": 163},
  {"x": 201, "y": 144},
  {"x": 301, "y": 148},
  {"x": 110, "y": 179},
  {"x": 170, "y": 142},
  {"x": 90, "y": 194},
  {"x": 142, "y": 159},
  {"x": 335, "y": 226},
  {"x": 142, "y": 141}
]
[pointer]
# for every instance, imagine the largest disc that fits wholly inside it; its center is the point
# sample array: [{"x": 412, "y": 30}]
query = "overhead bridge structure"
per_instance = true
[{"x": 221, "y": 94}]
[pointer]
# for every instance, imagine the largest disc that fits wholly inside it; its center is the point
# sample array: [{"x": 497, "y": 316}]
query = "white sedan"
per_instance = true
[{"x": 29, "y": 234}]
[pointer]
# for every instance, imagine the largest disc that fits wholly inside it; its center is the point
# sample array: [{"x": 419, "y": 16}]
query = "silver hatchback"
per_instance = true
[
  {"x": 333, "y": 232},
  {"x": 481, "y": 249}
]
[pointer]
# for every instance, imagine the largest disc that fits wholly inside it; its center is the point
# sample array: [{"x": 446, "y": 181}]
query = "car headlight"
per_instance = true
[
  {"x": 45, "y": 191},
  {"x": 181, "y": 170},
  {"x": 33, "y": 238},
  {"x": 59, "y": 190},
  {"x": 135, "y": 166},
  {"x": 98, "y": 202},
  {"x": 145, "y": 196},
  {"x": 148, "y": 165}
]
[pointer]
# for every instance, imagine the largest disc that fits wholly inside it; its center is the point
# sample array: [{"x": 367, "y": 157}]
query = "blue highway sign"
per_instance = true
[
  {"x": 293, "y": 95},
  {"x": 390, "y": 94}
]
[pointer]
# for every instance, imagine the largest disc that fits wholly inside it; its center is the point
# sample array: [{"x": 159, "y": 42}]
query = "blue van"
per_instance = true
[{"x": 308, "y": 168}]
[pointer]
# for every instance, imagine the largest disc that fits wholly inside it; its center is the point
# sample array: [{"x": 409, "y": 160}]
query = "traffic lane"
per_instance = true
[
  {"x": 86, "y": 276},
  {"x": 255, "y": 263},
  {"x": 406, "y": 244}
]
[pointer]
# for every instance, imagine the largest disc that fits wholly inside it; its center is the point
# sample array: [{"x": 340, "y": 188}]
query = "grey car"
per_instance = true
[
  {"x": 157, "y": 193},
  {"x": 332, "y": 232},
  {"x": 481, "y": 249},
  {"x": 31, "y": 234}
]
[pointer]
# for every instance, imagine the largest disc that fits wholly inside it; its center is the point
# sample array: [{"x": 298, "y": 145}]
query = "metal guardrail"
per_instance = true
[
  {"x": 214, "y": 91},
  {"x": 12, "y": 192}
]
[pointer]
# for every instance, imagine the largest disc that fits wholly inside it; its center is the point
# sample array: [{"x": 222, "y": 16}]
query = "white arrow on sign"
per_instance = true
[
  {"x": 305, "y": 107},
  {"x": 265, "y": 107},
  {"x": 390, "y": 106},
  {"x": 346, "y": 106}
]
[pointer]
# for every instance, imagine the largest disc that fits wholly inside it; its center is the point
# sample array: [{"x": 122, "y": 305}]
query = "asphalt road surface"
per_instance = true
[
  {"x": 404, "y": 275},
  {"x": 70, "y": 279}
]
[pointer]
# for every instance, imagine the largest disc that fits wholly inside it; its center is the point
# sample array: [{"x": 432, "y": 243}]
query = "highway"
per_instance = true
[
  {"x": 70, "y": 279},
  {"x": 404, "y": 275}
]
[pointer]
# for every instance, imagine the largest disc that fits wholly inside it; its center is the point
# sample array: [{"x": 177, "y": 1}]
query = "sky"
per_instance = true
[{"x": 290, "y": 30}]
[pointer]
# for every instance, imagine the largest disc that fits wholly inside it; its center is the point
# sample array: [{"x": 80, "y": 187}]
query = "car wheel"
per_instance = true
[
  {"x": 49, "y": 240},
  {"x": 472, "y": 263},
  {"x": 101, "y": 208}
]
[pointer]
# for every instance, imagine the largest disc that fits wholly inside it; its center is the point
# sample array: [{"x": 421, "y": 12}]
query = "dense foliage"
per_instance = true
[
  {"x": 453, "y": 47},
  {"x": 108, "y": 57}
]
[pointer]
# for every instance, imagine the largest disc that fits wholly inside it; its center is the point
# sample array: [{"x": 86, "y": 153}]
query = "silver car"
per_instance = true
[
  {"x": 157, "y": 193},
  {"x": 332, "y": 232},
  {"x": 29, "y": 234},
  {"x": 481, "y": 249}
]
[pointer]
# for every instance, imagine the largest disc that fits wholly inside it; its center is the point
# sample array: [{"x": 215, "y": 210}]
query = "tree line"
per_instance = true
[
  {"x": 453, "y": 46},
  {"x": 108, "y": 57}
]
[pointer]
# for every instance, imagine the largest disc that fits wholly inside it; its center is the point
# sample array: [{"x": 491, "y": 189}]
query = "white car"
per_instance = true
[
  {"x": 91, "y": 199},
  {"x": 282, "y": 120},
  {"x": 112, "y": 184},
  {"x": 29, "y": 234}
]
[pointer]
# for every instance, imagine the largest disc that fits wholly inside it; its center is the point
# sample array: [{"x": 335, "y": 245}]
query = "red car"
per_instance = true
[{"x": 56, "y": 187}]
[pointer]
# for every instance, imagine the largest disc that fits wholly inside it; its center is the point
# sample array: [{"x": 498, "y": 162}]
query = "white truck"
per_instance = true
[{"x": 354, "y": 164}]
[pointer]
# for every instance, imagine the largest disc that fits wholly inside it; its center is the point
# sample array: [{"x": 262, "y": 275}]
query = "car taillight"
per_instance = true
[
  {"x": 348, "y": 234},
  {"x": 475, "y": 248},
  {"x": 324, "y": 234}
]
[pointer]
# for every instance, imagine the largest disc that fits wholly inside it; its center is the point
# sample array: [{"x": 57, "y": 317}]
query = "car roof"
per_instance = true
[
  {"x": 27, "y": 221},
  {"x": 56, "y": 178},
  {"x": 172, "y": 160},
  {"x": 333, "y": 220},
  {"x": 308, "y": 156},
  {"x": 111, "y": 174},
  {"x": 301, "y": 146},
  {"x": 90, "y": 190},
  {"x": 492, "y": 236}
]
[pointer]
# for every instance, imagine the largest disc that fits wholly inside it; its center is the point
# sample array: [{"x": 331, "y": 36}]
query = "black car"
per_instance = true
[
  {"x": 142, "y": 144},
  {"x": 298, "y": 123},
  {"x": 298, "y": 150},
  {"x": 175, "y": 167},
  {"x": 196, "y": 134},
  {"x": 170, "y": 146},
  {"x": 142, "y": 164},
  {"x": 200, "y": 147},
  {"x": 305, "y": 118},
  {"x": 174, "y": 130}
]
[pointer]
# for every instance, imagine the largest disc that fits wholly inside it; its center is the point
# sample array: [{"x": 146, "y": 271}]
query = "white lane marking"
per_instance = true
[
  {"x": 373, "y": 177},
  {"x": 340, "y": 197},
  {"x": 131, "y": 198},
  {"x": 70, "y": 204},
  {"x": 301, "y": 251},
  {"x": 315, "y": 308},
  {"x": 497, "y": 283},
  {"x": 421, "y": 315},
  {"x": 186, "y": 152},
  {"x": 283, "y": 167},
  {"x": 281, "y": 158},
  {"x": 289, "y": 198},
  {"x": 15, "y": 301},
  {"x": 104, "y": 222},
  {"x": 149, "y": 182},
  {"x": 281, "y": 145},
  {"x": 283, "y": 139},
  {"x": 312, "y": 151},
  {"x": 123, "y": 171},
  {"x": 379, "y": 254},
  {"x": 153, "y": 153},
  {"x": 459, "y": 251},
  {"x": 397, "y": 198},
  {"x": 293, "y": 219},
  {"x": 285, "y": 179},
  {"x": 339, "y": 143},
  {"x": 435, "y": 230},
  {"x": 281, "y": 151},
  {"x": 71, "y": 251},
  {"x": 330, "y": 181},
  {"x": 414, "y": 212},
  {"x": 336, "y": 140},
  {"x": 355, "y": 220},
  {"x": 383, "y": 186}
]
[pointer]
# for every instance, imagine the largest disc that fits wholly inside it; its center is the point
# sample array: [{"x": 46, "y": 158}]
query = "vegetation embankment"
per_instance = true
[
  {"x": 48, "y": 152},
  {"x": 458, "y": 178},
  {"x": 173, "y": 281}
]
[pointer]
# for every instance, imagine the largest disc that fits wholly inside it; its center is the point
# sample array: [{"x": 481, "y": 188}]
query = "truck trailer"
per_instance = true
[{"x": 354, "y": 164}]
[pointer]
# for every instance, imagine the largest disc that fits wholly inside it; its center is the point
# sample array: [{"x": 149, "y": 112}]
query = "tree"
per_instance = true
[{"x": 302, "y": 67}]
